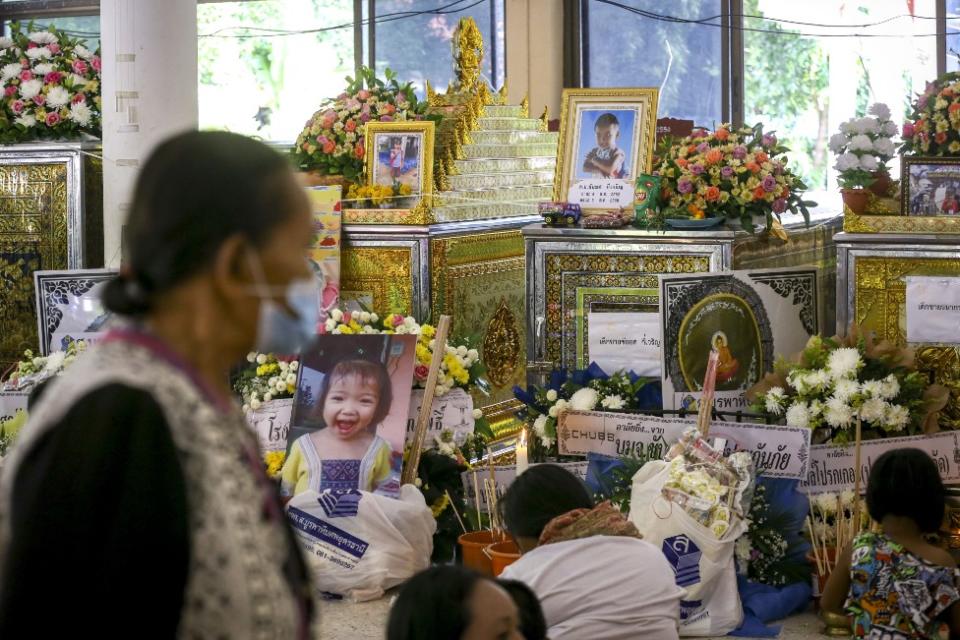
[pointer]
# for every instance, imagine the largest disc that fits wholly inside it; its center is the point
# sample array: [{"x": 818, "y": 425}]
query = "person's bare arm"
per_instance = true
[
  {"x": 838, "y": 585},
  {"x": 611, "y": 167}
]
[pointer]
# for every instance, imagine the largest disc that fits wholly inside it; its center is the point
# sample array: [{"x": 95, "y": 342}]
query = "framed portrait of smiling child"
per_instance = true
[{"x": 350, "y": 415}]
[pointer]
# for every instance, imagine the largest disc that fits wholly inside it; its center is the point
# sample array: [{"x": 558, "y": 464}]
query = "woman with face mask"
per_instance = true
[{"x": 135, "y": 502}]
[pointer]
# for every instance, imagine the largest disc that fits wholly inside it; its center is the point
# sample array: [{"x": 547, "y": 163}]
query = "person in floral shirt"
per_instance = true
[{"x": 894, "y": 584}]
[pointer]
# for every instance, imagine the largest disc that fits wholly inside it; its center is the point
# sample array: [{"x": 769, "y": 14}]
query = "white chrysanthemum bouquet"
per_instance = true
[
  {"x": 266, "y": 378},
  {"x": 863, "y": 147},
  {"x": 835, "y": 382},
  {"x": 51, "y": 86}
]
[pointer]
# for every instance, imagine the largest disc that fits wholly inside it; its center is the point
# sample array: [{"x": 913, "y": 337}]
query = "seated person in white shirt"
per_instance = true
[{"x": 593, "y": 574}]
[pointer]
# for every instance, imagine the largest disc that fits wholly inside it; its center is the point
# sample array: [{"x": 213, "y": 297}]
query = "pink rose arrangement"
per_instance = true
[
  {"x": 729, "y": 173},
  {"x": 51, "y": 86},
  {"x": 933, "y": 128},
  {"x": 332, "y": 141}
]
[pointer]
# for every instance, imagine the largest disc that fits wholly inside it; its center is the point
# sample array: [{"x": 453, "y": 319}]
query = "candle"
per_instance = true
[{"x": 522, "y": 452}]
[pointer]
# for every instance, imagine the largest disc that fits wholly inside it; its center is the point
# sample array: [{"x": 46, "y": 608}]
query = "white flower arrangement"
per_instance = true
[
  {"x": 864, "y": 146},
  {"x": 829, "y": 391},
  {"x": 35, "y": 369},
  {"x": 265, "y": 379}
]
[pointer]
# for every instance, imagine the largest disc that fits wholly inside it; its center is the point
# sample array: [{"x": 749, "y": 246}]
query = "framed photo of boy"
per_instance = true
[
  {"x": 350, "y": 412},
  {"x": 607, "y": 137},
  {"x": 401, "y": 153},
  {"x": 930, "y": 187}
]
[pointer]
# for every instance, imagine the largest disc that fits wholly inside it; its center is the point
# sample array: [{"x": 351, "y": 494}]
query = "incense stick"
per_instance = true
[
  {"x": 455, "y": 512},
  {"x": 856, "y": 479},
  {"x": 816, "y": 553},
  {"x": 476, "y": 492}
]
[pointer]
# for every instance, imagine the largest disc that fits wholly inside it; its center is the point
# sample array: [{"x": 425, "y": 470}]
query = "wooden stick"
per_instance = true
[
  {"x": 816, "y": 552},
  {"x": 426, "y": 405},
  {"x": 840, "y": 524},
  {"x": 455, "y": 512},
  {"x": 476, "y": 492},
  {"x": 856, "y": 479}
]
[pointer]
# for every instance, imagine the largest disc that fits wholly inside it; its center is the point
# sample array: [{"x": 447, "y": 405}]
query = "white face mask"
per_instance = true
[{"x": 278, "y": 331}]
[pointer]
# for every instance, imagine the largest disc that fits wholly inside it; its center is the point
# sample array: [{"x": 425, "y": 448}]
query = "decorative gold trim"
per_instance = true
[
  {"x": 502, "y": 418},
  {"x": 420, "y": 214},
  {"x": 544, "y": 120},
  {"x": 525, "y": 107},
  {"x": 852, "y": 223},
  {"x": 502, "y": 94},
  {"x": 645, "y": 135},
  {"x": 424, "y": 127}
]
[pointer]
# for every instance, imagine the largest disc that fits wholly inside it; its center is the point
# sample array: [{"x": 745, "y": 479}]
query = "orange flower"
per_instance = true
[
  {"x": 692, "y": 148},
  {"x": 947, "y": 92},
  {"x": 759, "y": 193},
  {"x": 712, "y": 194},
  {"x": 696, "y": 212},
  {"x": 682, "y": 162},
  {"x": 941, "y": 137},
  {"x": 761, "y": 156},
  {"x": 359, "y": 151},
  {"x": 329, "y": 146},
  {"x": 953, "y": 107},
  {"x": 722, "y": 134},
  {"x": 753, "y": 166},
  {"x": 714, "y": 156}
]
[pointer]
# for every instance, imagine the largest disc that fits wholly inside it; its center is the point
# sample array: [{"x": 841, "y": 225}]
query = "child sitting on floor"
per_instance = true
[
  {"x": 346, "y": 453},
  {"x": 896, "y": 585}
]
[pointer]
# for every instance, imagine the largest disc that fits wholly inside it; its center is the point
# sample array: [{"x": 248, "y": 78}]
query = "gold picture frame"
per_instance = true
[
  {"x": 421, "y": 131},
  {"x": 921, "y": 170},
  {"x": 633, "y": 111}
]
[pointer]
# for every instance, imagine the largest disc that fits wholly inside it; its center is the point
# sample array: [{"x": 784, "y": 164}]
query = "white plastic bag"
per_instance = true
[
  {"x": 703, "y": 565},
  {"x": 359, "y": 544}
]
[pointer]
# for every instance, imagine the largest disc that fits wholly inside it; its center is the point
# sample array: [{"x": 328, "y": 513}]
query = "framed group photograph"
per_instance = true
[
  {"x": 930, "y": 187},
  {"x": 69, "y": 306},
  {"x": 607, "y": 137},
  {"x": 350, "y": 412},
  {"x": 401, "y": 153}
]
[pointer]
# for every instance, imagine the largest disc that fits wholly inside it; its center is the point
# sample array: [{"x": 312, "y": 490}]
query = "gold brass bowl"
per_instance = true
[{"x": 836, "y": 625}]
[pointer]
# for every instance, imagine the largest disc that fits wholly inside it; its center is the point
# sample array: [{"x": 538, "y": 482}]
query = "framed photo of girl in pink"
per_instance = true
[{"x": 349, "y": 415}]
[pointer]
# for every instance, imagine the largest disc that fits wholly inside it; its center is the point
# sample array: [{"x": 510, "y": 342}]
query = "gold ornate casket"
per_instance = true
[
  {"x": 459, "y": 250},
  {"x": 51, "y": 217}
]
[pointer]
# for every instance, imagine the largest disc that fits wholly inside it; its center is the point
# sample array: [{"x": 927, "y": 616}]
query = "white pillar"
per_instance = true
[{"x": 149, "y": 52}]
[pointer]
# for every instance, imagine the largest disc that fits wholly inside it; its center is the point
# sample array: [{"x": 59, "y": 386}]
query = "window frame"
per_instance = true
[{"x": 576, "y": 44}]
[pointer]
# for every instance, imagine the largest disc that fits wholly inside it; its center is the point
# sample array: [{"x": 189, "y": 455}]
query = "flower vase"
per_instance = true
[
  {"x": 856, "y": 200},
  {"x": 881, "y": 184}
]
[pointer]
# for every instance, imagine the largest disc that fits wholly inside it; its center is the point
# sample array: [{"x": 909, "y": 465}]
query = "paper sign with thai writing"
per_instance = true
[
  {"x": 778, "y": 452},
  {"x": 602, "y": 194},
  {"x": 933, "y": 309},
  {"x": 625, "y": 341},
  {"x": 325, "y": 246},
  {"x": 504, "y": 477},
  {"x": 452, "y": 411},
  {"x": 832, "y": 467},
  {"x": 271, "y": 422},
  {"x": 12, "y": 402}
]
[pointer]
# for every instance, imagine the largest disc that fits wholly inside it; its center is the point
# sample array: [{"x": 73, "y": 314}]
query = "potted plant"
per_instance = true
[{"x": 863, "y": 147}]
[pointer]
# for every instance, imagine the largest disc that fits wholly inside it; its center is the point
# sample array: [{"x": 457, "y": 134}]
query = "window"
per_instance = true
[
  {"x": 417, "y": 45},
  {"x": 804, "y": 80},
  {"x": 953, "y": 35},
  {"x": 265, "y": 66},
  {"x": 626, "y": 44}
]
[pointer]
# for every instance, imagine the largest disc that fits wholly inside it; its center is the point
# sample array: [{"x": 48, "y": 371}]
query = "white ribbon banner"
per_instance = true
[
  {"x": 832, "y": 467},
  {"x": 778, "y": 452}
]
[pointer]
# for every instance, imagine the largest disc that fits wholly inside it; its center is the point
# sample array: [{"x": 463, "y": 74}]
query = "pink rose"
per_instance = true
[
  {"x": 17, "y": 107},
  {"x": 39, "y": 99},
  {"x": 32, "y": 45},
  {"x": 26, "y": 75},
  {"x": 80, "y": 67},
  {"x": 397, "y": 320},
  {"x": 364, "y": 117},
  {"x": 351, "y": 125},
  {"x": 342, "y": 96},
  {"x": 363, "y": 94},
  {"x": 54, "y": 48},
  {"x": 779, "y": 205},
  {"x": 908, "y": 130},
  {"x": 54, "y": 77},
  {"x": 321, "y": 140},
  {"x": 10, "y": 91},
  {"x": 329, "y": 146},
  {"x": 53, "y": 119},
  {"x": 386, "y": 119},
  {"x": 24, "y": 63},
  {"x": 96, "y": 63},
  {"x": 77, "y": 99},
  {"x": 421, "y": 371}
]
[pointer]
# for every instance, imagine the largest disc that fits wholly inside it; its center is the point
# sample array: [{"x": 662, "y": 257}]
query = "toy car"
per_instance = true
[{"x": 559, "y": 213}]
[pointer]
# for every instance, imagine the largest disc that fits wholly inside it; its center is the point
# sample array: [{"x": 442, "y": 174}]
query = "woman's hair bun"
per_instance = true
[{"x": 126, "y": 296}]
